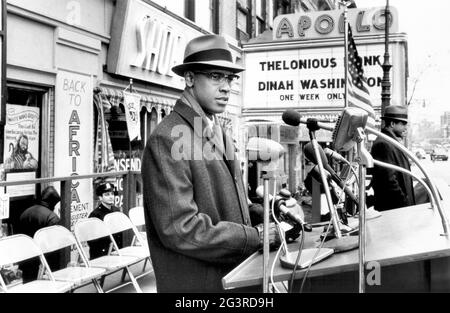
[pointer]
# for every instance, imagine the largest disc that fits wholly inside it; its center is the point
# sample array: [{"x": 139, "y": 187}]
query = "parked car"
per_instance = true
[
  {"x": 421, "y": 154},
  {"x": 439, "y": 154}
]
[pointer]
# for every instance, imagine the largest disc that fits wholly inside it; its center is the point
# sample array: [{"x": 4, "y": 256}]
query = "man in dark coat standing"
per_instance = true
[
  {"x": 34, "y": 218},
  {"x": 392, "y": 189},
  {"x": 196, "y": 211}
]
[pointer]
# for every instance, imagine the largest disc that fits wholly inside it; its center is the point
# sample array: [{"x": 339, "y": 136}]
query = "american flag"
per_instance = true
[
  {"x": 104, "y": 154},
  {"x": 358, "y": 90}
]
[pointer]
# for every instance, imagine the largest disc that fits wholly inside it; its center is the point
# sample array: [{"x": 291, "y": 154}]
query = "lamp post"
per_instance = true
[{"x": 386, "y": 83}]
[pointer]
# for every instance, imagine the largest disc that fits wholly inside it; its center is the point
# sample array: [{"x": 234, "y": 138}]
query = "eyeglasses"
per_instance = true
[{"x": 219, "y": 78}]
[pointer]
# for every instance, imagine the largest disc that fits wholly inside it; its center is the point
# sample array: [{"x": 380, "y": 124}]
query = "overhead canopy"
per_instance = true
[{"x": 150, "y": 102}]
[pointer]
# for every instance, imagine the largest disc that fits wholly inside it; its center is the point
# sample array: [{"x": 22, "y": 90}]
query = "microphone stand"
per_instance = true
[
  {"x": 365, "y": 161},
  {"x": 266, "y": 175},
  {"x": 340, "y": 243},
  {"x": 326, "y": 187}
]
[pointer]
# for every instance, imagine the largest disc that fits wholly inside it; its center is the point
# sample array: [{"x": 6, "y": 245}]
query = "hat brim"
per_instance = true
[
  {"x": 182, "y": 68},
  {"x": 395, "y": 119}
]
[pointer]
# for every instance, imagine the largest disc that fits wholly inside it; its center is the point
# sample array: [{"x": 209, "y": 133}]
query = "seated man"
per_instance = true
[{"x": 34, "y": 218}]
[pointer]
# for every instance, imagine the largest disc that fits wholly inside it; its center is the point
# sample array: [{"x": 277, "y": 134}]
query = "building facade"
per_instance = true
[{"x": 69, "y": 65}]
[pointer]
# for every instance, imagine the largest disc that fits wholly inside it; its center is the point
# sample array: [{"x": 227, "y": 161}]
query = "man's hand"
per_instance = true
[{"x": 274, "y": 236}]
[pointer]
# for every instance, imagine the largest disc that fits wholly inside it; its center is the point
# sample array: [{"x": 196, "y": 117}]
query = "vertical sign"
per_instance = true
[
  {"x": 74, "y": 138},
  {"x": 131, "y": 102}
]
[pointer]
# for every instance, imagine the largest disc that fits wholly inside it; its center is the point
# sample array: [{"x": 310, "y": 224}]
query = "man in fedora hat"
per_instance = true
[
  {"x": 196, "y": 210},
  {"x": 392, "y": 189}
]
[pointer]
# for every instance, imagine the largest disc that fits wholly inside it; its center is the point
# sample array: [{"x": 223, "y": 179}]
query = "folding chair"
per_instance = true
[
  {"x": 137, "y": 217},
  {"x": 57, "y": 237},
  {"x": 118, "y": 222},
  {"x": 93, "y": 228},
  {"x": 19, "y": 248}
]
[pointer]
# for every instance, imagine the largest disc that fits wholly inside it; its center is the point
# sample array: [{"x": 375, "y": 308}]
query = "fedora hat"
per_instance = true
[
  {"x": 396, "y": 112},
  {"x": 210, "y": 51}
]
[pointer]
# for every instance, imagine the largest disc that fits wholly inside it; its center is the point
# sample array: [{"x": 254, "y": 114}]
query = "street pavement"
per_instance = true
[{"x": 436, "y": 169}]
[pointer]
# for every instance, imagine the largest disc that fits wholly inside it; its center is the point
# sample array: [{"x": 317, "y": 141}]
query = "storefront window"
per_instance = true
[
  {"x": 21, "y": 142},
  {"x": 24, "y": 157}
]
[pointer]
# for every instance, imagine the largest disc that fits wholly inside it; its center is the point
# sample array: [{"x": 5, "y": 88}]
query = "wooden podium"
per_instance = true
[{"x": 406, "y": 243}]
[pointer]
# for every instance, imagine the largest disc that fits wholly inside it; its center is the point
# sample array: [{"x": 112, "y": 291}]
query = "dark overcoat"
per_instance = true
[
  {"x": 196, "y": 211},
  {"x": 392, "y": 189},
  {"x": 99, "y": 247},
  {"x": 32, "y": 219}
]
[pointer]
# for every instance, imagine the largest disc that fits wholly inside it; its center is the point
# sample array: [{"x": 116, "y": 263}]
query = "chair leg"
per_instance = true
[
  {"x": 102, "y": 281},
  {"x": 124, "y": 273},
  {"x": 145, "y": 264},
  {"x": 133, "y": 280},
  {"x": 97, "y": 286}
]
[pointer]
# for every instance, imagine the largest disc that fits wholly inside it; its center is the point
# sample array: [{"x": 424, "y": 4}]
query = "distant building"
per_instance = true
[{"x": 445, "y": 124}]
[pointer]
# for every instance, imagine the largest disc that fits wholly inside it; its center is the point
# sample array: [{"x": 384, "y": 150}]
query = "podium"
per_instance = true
[{"x": 406, "y": 243}]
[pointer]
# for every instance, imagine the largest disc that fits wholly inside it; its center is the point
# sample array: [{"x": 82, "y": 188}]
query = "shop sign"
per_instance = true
[
  {"x": 123, "y": 163},
  {"x": 74, "y": 138},
  {"x": 146, "y": 43},
  {"x": 288, "y": 134},
  {"x": 21, "y": 147},
  {"x": 329, "y": 24},
  {"x": 315, "y": 77}
]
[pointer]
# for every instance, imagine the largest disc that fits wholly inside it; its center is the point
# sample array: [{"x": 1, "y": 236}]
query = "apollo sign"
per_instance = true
[{"x": 331, "y": 24}]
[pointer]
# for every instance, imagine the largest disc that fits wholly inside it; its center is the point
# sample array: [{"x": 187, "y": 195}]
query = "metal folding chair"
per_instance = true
[
  {"x": 137, "y": 217},
  {"x": 93, "y": 228},
  {"x": 19, "y": 248},
  {"x": 57, "y": 237},
  {"x": 118, "y": 222}
]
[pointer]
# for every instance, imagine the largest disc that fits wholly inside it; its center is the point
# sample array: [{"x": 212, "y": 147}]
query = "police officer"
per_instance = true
[{"x": 105, "y": 194}]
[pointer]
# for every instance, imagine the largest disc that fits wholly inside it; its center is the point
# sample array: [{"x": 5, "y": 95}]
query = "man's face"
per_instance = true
[
  {"x": 211, "y": 88},
  {"x": 23, "y": 145},
  {"x": 399, "y": 128},
  {"x": 107, "y": 197}
]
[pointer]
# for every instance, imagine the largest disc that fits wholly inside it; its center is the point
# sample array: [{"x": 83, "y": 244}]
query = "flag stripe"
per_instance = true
[
  {"x": 359, "y": 95},
  {"x": 358, "y": 90}
]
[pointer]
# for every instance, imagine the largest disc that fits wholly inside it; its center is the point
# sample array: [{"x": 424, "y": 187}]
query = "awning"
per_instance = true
[{"x": 115, "y": 98}]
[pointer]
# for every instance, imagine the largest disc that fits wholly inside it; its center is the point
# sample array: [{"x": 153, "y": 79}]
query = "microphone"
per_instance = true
[
  {"x": 331, "y": 154},
  {"x": 293, "y": 216},
  {"x": 280, "y": 204},
  {"x": 309, "y": 153},
  {"x": 348, "y": 122},
  {"x": 294, "y": 118},
  {"x": 315, "y": 173}
]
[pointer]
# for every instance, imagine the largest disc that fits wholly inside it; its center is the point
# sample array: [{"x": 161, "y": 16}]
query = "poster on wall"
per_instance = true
[
  {"x": 21, "y": 147},
  {"x": 122, "y": 162},
  {"x": 74, "y": 138}
]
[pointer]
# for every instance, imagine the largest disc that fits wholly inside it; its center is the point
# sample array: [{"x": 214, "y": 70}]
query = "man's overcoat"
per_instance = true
[
  {"x": 392, "y": 189},
  {"x": 196, "y": 211}
]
